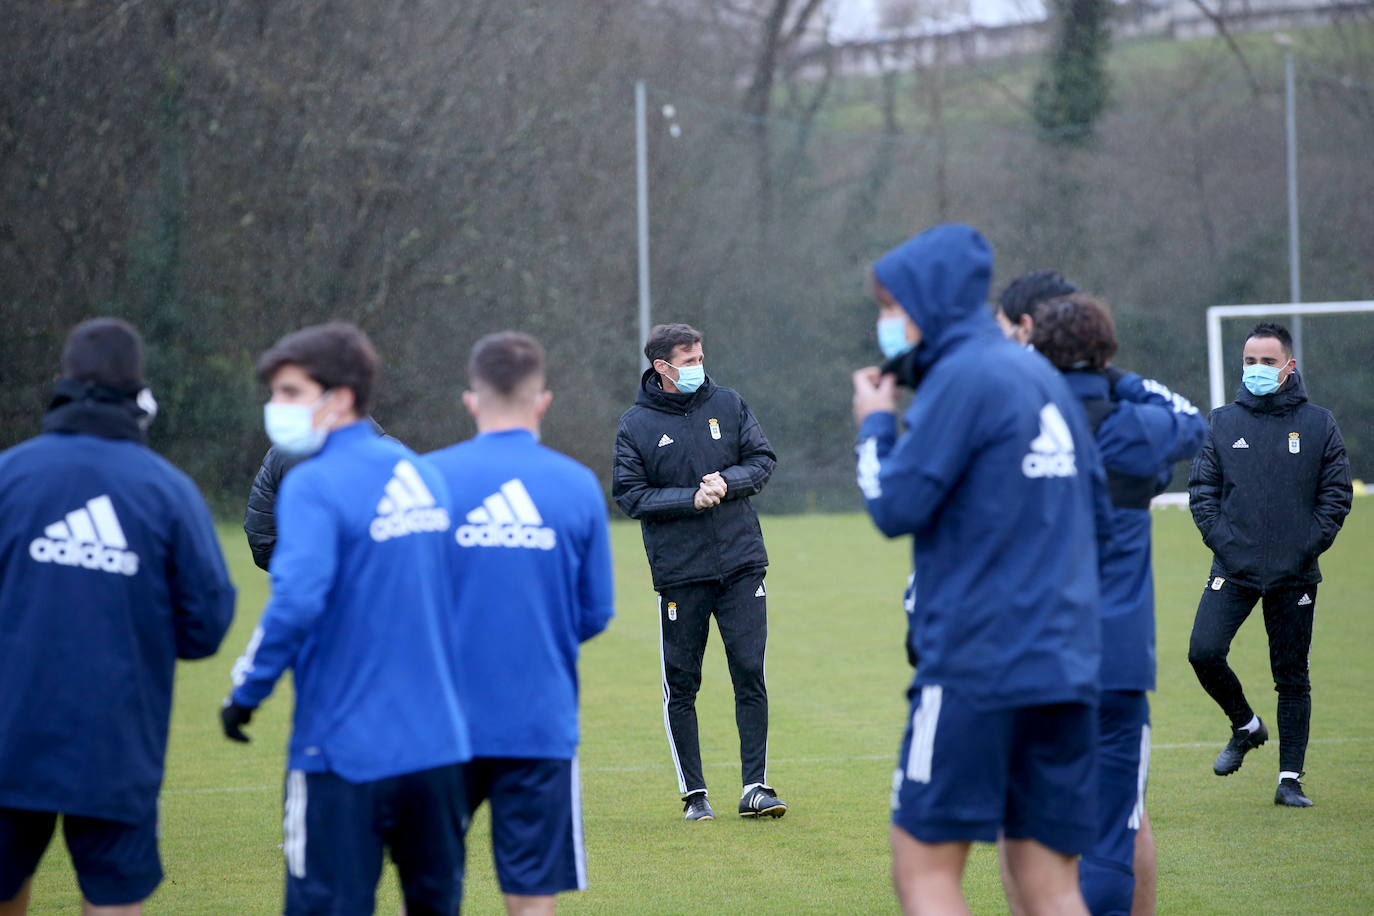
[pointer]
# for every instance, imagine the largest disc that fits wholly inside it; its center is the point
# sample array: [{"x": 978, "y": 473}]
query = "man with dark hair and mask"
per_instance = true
[
  {"x": 110, "y": 570},
  {"x": 688, "y": 455},
  {"x": 1269, "y": 492},
  {"x": 1000, "y": 485},
  {"x": 358, "y": 612}
]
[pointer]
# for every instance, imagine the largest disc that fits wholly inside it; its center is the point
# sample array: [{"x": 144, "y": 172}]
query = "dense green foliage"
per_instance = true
[{"x": 1071, "y": 95}]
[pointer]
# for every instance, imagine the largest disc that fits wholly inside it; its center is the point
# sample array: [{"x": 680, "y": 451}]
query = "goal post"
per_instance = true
[{"x": 1216, "y": 359}]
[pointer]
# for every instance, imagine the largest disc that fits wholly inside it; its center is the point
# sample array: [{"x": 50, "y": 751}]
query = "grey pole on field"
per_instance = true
[
  {"x": 1290, "y": 117},
  {"x": 642, "y": 194}
]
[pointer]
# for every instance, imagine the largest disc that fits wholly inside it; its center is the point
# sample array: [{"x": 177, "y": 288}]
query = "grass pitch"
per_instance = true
[{"x": 837, "y": 675}]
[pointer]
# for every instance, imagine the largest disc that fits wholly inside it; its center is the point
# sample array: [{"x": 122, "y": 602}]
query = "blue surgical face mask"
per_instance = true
[
  {"x": 689, "y": 378},
  {"x": 291, "y": 427},
  {"x": 892, "y": 337},
  {"x": 1261, "y": 379}
]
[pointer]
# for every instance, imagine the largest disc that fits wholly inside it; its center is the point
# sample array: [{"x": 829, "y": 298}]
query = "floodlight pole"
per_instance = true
[
  {"x": 1294, "y": 266},
  {"x": 642, "y": 194}
]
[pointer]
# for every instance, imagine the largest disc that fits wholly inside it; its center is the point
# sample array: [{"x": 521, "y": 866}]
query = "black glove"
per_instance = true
[
  {"x": 233, "y": 717},
  {"x": 906, "y": 368},
  {"x": 1113, "y": 375}
]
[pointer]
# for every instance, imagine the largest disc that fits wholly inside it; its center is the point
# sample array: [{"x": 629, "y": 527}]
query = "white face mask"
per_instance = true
[{"x": 291, "y": 427}]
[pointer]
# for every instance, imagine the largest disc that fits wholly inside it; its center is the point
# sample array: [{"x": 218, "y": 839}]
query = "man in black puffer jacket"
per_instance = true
[
  {"x": 260, "y": 519},
  {"x": 1269, "y": 492},
  {"x": 688, "y": 455}
]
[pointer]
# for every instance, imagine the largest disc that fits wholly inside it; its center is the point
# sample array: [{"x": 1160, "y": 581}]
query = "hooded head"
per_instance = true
[{"x": 939, "y": 277}]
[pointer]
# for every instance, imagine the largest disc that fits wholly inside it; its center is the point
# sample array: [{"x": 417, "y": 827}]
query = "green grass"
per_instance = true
[{"x": 836, "y": 677}]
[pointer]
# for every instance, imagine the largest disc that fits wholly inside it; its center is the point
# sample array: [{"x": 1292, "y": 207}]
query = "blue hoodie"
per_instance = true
[
  {"x": 1147, "y": 430},
  {"x": 360, "y": 581},
  {"x": 532, "y": 580},
  {"x": 999, "y": 483}
]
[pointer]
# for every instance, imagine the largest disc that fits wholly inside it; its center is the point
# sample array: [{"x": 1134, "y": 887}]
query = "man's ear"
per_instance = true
[
  {"x": 470, "y": 402},
  {"x": 541, "y": 404}
]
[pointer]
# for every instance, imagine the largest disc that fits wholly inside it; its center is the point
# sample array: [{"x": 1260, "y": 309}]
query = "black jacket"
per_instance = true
[
  {"x": 1270, "y": 488},
  {"x": 665, "y": 444},
  {"x": 259, "y": 519}
]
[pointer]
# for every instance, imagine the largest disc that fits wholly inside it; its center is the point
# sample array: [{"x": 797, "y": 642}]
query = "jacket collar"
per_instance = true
[
  {"x": 96, "y": 410},
  {"x": 652, "y": 395}
]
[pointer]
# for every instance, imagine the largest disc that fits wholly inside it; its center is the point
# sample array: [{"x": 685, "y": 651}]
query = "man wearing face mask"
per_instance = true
[
  {"x": 110, "y": 571},
  {"x": 1269, "y": 492},
  {"x": 360, "y": 587},
  {"x": 688, "y": 455}
]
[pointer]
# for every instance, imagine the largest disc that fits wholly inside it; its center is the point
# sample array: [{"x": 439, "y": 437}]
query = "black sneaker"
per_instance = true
[
  {"x": 761, "y": 801},
  {"x": 697, "y": 808},
  {"x": 1290, "y": 793},
  {"x": 1231, "y": 756}
]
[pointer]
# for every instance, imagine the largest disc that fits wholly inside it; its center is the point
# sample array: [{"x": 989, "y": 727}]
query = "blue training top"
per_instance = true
[
  {"x": 110, "y": 570},
  {"x": 531, "y": 581},
  {"x": 1149, "y": 430},
  {"x": 359, "y": 581},
  {"x": 999, "y": 483}
]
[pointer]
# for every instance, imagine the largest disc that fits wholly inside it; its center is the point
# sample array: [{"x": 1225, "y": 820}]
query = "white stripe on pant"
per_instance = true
[
  {"x": 667, "y": 725},
  {"x": 923, "y": 722},
  {"x": 293, "y": 824}
]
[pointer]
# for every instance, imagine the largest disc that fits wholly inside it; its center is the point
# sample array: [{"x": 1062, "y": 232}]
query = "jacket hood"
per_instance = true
[
  {"x": 651, "y": 394},
  {"x": 1293, "y": 393},
  {"x": 941, "y": 278}
]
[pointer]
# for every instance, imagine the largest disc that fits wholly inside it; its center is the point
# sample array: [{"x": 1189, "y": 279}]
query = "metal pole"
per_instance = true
[
  {"x": 1294, "y": 267},
  {"x": 642, "y": 175}
]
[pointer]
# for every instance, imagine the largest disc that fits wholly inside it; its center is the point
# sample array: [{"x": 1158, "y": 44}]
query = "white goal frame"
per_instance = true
[{"x": 1215, "y": 358}]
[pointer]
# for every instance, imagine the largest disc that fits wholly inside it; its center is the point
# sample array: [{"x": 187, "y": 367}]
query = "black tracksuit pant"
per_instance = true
[
  {"x": 1288, "y": 621},
  {"x": 684, "y": 612}
]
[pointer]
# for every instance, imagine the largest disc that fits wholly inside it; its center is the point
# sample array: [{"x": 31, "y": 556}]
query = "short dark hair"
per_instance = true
[
  {"x": 664, "y": 338},
  {"x": 106, "y": 351},
  {"x": 334, "y": 355},
  {"x": 1275, "y": 330},
  {"x": 1075, "y": 332},
  {"x": 505, "y": 361},
  {"x": 1027, "y": 291}
]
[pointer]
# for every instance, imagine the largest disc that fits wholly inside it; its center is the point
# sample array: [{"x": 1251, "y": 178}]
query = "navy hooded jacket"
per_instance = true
[
  {"x": 999, "y": 484},
  {"x": 110, "y": 570},
  {"x": 1144, "y": 429}
]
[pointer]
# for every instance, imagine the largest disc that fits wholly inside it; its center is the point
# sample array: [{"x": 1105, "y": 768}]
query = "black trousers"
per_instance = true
[
  {"x": 1288, "y": 622},
  {"x": 684, "y": 614}
]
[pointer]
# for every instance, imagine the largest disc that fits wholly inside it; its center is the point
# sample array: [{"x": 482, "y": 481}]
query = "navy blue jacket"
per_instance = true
[
  {"x": 360, "y": 579},
  {"x": 532, "y": 580},
  {"x": 1271, "y": 487},
  {"x": 1144, "y": 429},
  {"x": 999, "y": 484},
  {"x": 110, "y": 570}
]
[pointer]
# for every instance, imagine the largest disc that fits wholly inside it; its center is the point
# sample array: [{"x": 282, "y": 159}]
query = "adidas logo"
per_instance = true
[
  {"x": 507, "y": 518},
  {"x": 407, "y": 508},
  {"x": 1051, "y": 453},
  {"x": 1305, "y": 600},
  {"x": 90, "y": 537},
  {"x": 760, "y": 593},
  {"x": 1240, "y": 443},
  {"x": 664, "y": 441}
]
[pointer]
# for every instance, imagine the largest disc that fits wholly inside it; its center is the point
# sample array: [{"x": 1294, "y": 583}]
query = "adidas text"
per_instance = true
[
  {"x": 407, "y": 508},
  {"x": 506, "y": 536},
  {"x": 416, "y": 521},
  {"x": 1051, "y": 453},
  {"x": 507, "y": 518},
  {"x": 90, "y": 537},
  {"x": 87, "y": 556}
]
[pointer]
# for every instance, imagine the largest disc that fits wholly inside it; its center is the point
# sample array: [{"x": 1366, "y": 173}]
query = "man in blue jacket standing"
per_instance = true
[
  {"x": 110, "y": 570},
  {"x": 358, "y": 611},
  {"x": 1142, "y": 429},
  {"x": 999, "y": 484},
  {"x": 532, "y": 581}
]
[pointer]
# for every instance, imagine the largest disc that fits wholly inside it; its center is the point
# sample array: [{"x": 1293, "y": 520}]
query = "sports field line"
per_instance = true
[{"x": 212, "y": 790}]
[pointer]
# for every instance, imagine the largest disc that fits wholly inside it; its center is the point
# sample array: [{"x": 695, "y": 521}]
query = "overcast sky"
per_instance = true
[{"x": 859, "y": 18}]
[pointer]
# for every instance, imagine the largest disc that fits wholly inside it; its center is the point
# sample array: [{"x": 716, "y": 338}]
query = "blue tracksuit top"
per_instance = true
[
  {"x": 110, "y": 570},
  {"x": 359, "y": 586},
  {"x": 532, "y": 580},
  {"x": 999, "y": 484},
  {"x": 1149, "y": 430}
]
